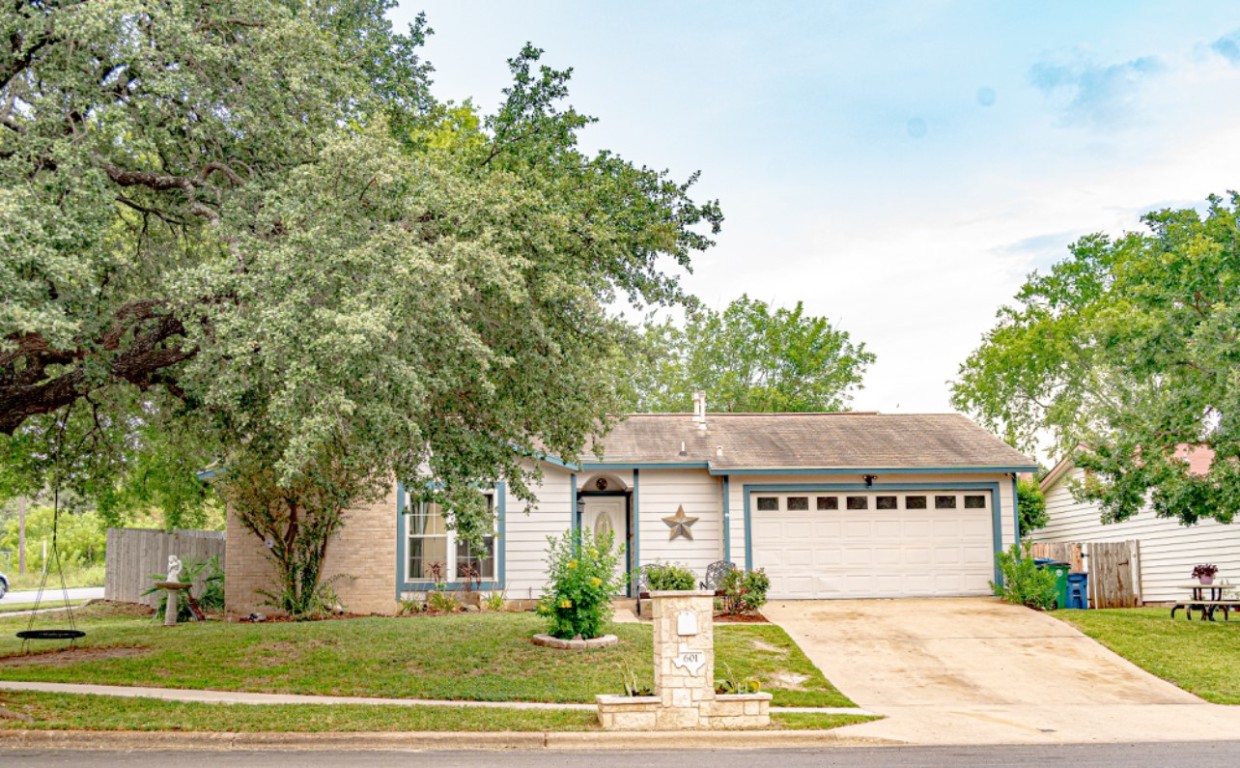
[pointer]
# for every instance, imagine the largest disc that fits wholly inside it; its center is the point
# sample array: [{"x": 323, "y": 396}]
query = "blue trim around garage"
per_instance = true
[
  {"x": 501, "y": 547},
  {"x": 574, "y": 520},
  {"x": 727, "y": 519},
  {"x": 995, "y": 500},
  {"x": 858, "y": 471}
]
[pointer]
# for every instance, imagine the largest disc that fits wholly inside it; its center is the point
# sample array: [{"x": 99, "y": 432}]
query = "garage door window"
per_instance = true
[
  {"x": 974, "y": 502},
  {"x": 798, "y": 503},
  {"x": 828, "y": 502},
  {"x": 858, "y": 502},
  {"x": 944, "y": 502},
  {"x": 768, "y": 504},
  {"x": 885, "y": 502},
  {"x": 914, "y": 502}
]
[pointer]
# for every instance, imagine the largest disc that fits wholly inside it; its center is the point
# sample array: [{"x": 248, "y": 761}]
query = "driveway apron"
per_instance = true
[{"x": 980, "y": 671}]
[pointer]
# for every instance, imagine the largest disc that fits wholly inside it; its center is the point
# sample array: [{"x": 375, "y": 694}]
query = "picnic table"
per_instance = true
[{"x": 1206, "y": 598}]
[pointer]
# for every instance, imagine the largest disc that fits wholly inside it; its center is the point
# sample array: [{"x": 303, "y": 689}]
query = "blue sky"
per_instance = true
[{"x": 898, "y": 166}]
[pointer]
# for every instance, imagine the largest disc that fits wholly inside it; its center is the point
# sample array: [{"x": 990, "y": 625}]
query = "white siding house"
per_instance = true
[
  {"x": 831, "y": 505},
  {"x": 1168, "y": 550}
]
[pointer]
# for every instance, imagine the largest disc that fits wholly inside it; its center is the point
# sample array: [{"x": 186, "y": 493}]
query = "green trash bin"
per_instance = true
[{"x": 1061, "y": 579}]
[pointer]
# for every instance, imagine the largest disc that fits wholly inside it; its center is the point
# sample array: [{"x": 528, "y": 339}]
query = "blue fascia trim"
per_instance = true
[
  {"x": 501, "y": 546},
  {"x": 727, "y": 520},
  {"x": 637, "y": 525},
  {"x": 555, "y": 461},
  {"x": 995, "y": 524},
  {"x": 875, "y": 471}
]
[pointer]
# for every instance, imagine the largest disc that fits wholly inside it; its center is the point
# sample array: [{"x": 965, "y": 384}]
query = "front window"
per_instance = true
[{"x": 435, "y": 555}]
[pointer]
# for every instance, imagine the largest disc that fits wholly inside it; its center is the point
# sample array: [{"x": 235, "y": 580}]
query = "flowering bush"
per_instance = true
[
  {"x": 583, "y": 580},
  {"x": 744, "y": 591}
]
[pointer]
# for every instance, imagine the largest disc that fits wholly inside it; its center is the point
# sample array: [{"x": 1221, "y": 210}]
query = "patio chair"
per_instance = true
[{"x": 715, "y": 573}]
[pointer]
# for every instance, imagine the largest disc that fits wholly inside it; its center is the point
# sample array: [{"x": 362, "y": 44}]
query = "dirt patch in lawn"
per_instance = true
[
  {"x": 69, "y": 656},
  {"x": 789, "y": 681},
  {"x": 740, "y": 618},
  {"x": 768, "y": 648}
]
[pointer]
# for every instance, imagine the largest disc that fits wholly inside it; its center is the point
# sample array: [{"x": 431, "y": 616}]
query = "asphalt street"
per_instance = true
[
  {"x": 1195, "y": 754},
  {"x": 53, "y": 595}
]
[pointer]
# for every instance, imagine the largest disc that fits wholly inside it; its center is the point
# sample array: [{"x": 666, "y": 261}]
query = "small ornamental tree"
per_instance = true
[{"x": 583, "y": 580}]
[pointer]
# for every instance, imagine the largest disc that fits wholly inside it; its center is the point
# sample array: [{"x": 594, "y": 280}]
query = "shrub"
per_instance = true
[
  {"x": 1024, "y": 583},
  {"x": 583, "y": 580},
  {"x": 744, "y": 591},
  {"x": 669, "y": 577}
]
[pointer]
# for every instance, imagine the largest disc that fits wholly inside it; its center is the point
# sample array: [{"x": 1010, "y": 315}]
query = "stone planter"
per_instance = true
[{"x": 576, "y": 644}]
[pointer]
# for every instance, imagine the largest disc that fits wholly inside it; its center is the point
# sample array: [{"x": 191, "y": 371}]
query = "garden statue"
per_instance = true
[{"x": 174, "y": 569}]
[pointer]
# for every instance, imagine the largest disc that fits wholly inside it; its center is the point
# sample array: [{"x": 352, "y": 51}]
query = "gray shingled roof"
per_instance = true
[{"x": 809, "y": 441}]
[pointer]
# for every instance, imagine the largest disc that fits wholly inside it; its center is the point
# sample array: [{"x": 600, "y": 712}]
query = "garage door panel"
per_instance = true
[{"x": 874, "y": 553}]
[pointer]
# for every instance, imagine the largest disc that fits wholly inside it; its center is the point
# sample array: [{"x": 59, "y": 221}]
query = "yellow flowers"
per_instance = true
[
  {"x": 572, "y": 564},
  {"x": 566, "y": 603},
  {"x": 594, "y": 582},
  {"x": 593, "y": 552}
]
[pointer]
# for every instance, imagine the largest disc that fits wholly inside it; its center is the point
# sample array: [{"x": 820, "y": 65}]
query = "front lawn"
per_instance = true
[
  {"x": 1202, "y": 657},
  {"x": 484, "y": 657}
]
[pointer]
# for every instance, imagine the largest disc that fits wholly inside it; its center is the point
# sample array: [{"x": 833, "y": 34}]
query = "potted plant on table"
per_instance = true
[{"x": 1204, "y": 573}]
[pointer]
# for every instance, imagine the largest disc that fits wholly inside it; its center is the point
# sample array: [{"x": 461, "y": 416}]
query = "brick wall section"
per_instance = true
[{"x": 362, "y": 554}]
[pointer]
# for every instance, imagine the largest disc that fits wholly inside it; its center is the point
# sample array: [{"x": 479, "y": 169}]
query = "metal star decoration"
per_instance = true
[{"x": 680, "y": 524}]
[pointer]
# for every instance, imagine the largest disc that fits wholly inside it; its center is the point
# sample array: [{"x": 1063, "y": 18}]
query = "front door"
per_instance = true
[{"x": 604, "y": 515}]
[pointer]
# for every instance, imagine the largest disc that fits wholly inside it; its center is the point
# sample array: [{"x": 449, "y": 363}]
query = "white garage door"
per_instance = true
[{"x": 874, "y": 544}]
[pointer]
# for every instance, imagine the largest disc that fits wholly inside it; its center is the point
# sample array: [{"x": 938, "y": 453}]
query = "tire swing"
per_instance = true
[{"x": 72, "y": 633}]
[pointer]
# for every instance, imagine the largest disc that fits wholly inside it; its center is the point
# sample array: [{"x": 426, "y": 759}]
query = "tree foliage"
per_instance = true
[
  {"x": 263, "y": 236},
  {"x": 750, "y": 358},
  {"x": 1126, "y": 353},
  {"x": 1031, "y": 504}
]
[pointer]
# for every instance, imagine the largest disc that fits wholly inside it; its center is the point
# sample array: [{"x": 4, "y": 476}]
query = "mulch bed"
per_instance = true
[{"x": 740, "y": 618}]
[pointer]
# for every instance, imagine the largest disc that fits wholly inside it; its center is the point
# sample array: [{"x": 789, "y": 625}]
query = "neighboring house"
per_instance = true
[
  {"x": 1167, "y": 550},
  {"x": 830, "y": 505}
]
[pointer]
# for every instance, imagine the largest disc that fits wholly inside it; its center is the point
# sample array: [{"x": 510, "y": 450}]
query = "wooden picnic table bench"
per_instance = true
[{"x": 1198, "y": 601}]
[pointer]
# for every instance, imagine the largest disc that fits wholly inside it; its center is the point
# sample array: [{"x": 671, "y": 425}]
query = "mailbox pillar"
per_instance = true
[{"x": 684, "y": 656}]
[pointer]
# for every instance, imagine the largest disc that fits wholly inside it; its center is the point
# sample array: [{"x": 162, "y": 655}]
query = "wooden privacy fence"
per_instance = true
[
  {"x": 1114, "y": 569},
  {"x": 1064, "y": 553},
  {"x": 1114, "y": 574},
  {"x": 135, "y": 554}
]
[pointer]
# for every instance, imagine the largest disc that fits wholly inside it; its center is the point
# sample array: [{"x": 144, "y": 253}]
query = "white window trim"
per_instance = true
[{"x": 450, "y": 575}]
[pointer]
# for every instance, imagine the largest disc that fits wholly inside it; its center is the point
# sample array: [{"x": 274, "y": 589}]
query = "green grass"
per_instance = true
[
  {"x": 483, "y": 657},
  {"x": 56, "y": 602},
  {"x": 1202, "y": 657},
  {"x": 103, "y": 713}
]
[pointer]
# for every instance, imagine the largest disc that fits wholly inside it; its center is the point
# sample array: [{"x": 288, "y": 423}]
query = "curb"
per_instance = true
[{"x": 427, "y": 741}]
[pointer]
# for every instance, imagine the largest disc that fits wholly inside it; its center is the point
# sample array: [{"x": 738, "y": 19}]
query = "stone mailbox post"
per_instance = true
[{"x": 684, "y": 676}]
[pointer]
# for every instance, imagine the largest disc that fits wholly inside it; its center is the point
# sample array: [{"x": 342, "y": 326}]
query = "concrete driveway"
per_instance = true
[{"x": 979, "y": 671}]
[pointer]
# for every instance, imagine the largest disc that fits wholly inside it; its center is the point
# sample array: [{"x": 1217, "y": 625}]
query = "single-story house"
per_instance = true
[
  {"x": 1167, "y": 550},
  {"x": 831, "y": 505}
]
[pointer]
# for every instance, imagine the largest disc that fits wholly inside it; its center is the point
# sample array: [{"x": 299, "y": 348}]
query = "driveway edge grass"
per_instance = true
[{"x": 1200, "y": 657}]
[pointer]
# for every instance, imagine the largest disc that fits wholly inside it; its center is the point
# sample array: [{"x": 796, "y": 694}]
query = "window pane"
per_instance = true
[
  {"x": 944, "y": 502},
  {"x": 768, "y": 503},
  {"x": 828, "y": 502},
  {"x": 482, "y": 559},
  {"x": 885, "y": 502},
  {"x": 974, "y": 502},
  {"x": 425, "y": 554},
  {"x": 914, "y": 502},
  {"x": 426, "y": 520},
  {"x": 858, "y": 502},
  {"x": 798, "y": 503}
]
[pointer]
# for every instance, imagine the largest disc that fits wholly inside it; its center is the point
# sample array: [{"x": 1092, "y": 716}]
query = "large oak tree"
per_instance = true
[{"x": 1127, "y": 353}]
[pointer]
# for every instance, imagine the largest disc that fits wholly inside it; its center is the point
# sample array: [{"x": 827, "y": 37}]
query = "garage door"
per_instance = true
[{"x": 873, "y": 544}]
